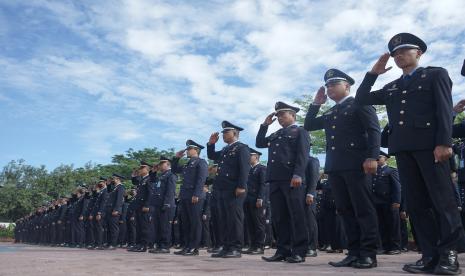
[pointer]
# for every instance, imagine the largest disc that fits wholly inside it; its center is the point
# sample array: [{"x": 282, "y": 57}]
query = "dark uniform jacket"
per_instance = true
[
  {"x": 288, "y": 150},
  {"x": 165, "y": 190},
  {"x": 256, "y": 183},
  {"x": 194, "y": 175},
  {"x": 115, "y": 199},
  {"x": 386, "y": 186},
  {"x": 352, "y": 134},
  {"x": 233, "y": 165},
  {"x": 419, "y": 110},
  {"x": 312, "y": 175}
]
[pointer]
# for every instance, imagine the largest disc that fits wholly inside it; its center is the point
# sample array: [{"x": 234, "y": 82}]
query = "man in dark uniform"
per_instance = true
[
  {"x": 79, "y": 215},
  {"x": 194, "y": 173},
  {"x": 90, "y": 223},
  {"x": 217, "y": 229},
  {"x": 387, "y": 199},
  {"x": 288, "y": 150},
  {"x": 206, "y": 240},
  {"x": 254, "y": 205},
  {"x": 312, "y": 176},
  {"x": 352, "y": 133},
  {"x": 231, "y": 182},
  {"x": 100, "y": 214},
  {"x": 145, "y": 205},
  {"x": 164, "y": 195},
  {"x": 123, "y": 221},
  {"x": 114, "y": 207},
  {"x": 132, "y": 220},
  {"x": 419, "y": 107}
]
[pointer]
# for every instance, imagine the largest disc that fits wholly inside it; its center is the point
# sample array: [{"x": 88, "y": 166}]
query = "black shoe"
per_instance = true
[
  {"x": 163, "y": 251},
  {"x": 393, "y": 252},
  {"x": 311, "y": 253},
  {"x": 346, "y": 262},
  {"x": 181, "y": 252},
  {"x": 365, "y": 262},
  {"x": 100, "y": 248},
  {"x": 140, "y": 249},
  {"x": 422, "y": 266},
  {"x": 275, "y": 258},
  {"x": 215, "y": 250},
  {"x": 111, "y": 248},
  {"x": 295, "y": 259},
  {"x": 232, "y": 254},
  {"x": 191, "y": 252},
  {"x": 334, "y": 251},
  {"x": 257, "y": 251},
  {"x": 404, "y": 249},
  {"x": 448, "y": 264},
  {"x": 219, "y": 254}
]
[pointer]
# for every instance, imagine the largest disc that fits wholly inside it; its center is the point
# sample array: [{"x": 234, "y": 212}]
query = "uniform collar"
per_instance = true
[
  {"x": 411, "y": 72},
  {"x": 343, "y": 99}
]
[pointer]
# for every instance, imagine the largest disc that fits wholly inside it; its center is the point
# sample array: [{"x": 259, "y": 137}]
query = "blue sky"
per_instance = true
[{"x": 83, "y": 80}]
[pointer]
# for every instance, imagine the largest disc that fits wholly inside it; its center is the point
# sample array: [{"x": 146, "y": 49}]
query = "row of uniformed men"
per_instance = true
[{"x": 420, "y": 139}]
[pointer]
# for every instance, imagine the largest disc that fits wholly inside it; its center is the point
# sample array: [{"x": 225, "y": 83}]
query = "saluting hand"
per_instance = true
[
  {"x": 380, "y": 66},
  {"x": 320, "y": 97},
  {"x": 195, "y": 199},
  {"x": 309, "y": 199},
  {"x": 180, "y": 153},
  {"x": 214, "y": 138},
  {"x": 460, "y": 106},
  {"x": 370, "y": 166},
  {"x": 269, "y": 119},
  {"x": 442, "y": 153}
]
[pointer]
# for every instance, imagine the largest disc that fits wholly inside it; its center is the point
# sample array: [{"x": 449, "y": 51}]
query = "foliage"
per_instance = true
[{"x": 23, "y": 187}]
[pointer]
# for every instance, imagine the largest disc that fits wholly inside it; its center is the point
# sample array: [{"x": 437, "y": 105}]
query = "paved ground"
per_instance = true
[{"x": 39, "y": 260}]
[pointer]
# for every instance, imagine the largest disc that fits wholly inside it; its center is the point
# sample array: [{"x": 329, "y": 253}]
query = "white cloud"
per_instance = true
[{"x": 183, "y": 68}]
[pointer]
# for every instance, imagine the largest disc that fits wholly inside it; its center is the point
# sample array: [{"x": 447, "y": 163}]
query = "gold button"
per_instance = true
[
  {"x": 352, "y": 144},
  {"x": 335, "y": 117},
  {"x": 334, "y": 127},
  {"x": 404, "y": 92},
  {"x": 428, "y": 124},
  {"x": 277, "y": 145},
  {"x": 272, "y": 161},
  {"x": 403, "y": 101},
  {"x": 402, "y": 112},
  {"x": 288, "y": 162},
  {"x": 419, "y": 87},
  {"x": 401, "y": 123},
  {"x": 332, "y": 137},
  {"x": 274, "y": 152},
  {"x": 333, "y": 148},
  {"x": 345, "y": 113}
]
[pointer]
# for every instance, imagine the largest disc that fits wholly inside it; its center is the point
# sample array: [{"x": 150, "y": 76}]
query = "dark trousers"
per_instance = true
[
  {"x": 191, "y": 222},
  {"x": 231, "y": 216},
  {"x": 113, "y": 228},
  {"x": 389, "y": 227},
  {"x": 163, "y": 220},
  {"x": 331, "y": 229},
  {"x": 255, "y": 218},
  {"x": 312, "y": 226},
  {"x": 147, "y": 227},
  {"x": 431, "y": 202},
  {"x": 352, "y": 194},
  {"x": 217, "y": 229},
  {"x": 269, "y": 233},
  {"x": 132, "y": 230},
  {"x": 206, "y": 237},
  {"x": 403, "y": 233},
  {"x": 288, "y": 218},
  {"x": 79, "y": 231},
  {"x": 90, "y": 239},
  {"x": 100, "y": 227},
  {"x": 123, "y": 232}
]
